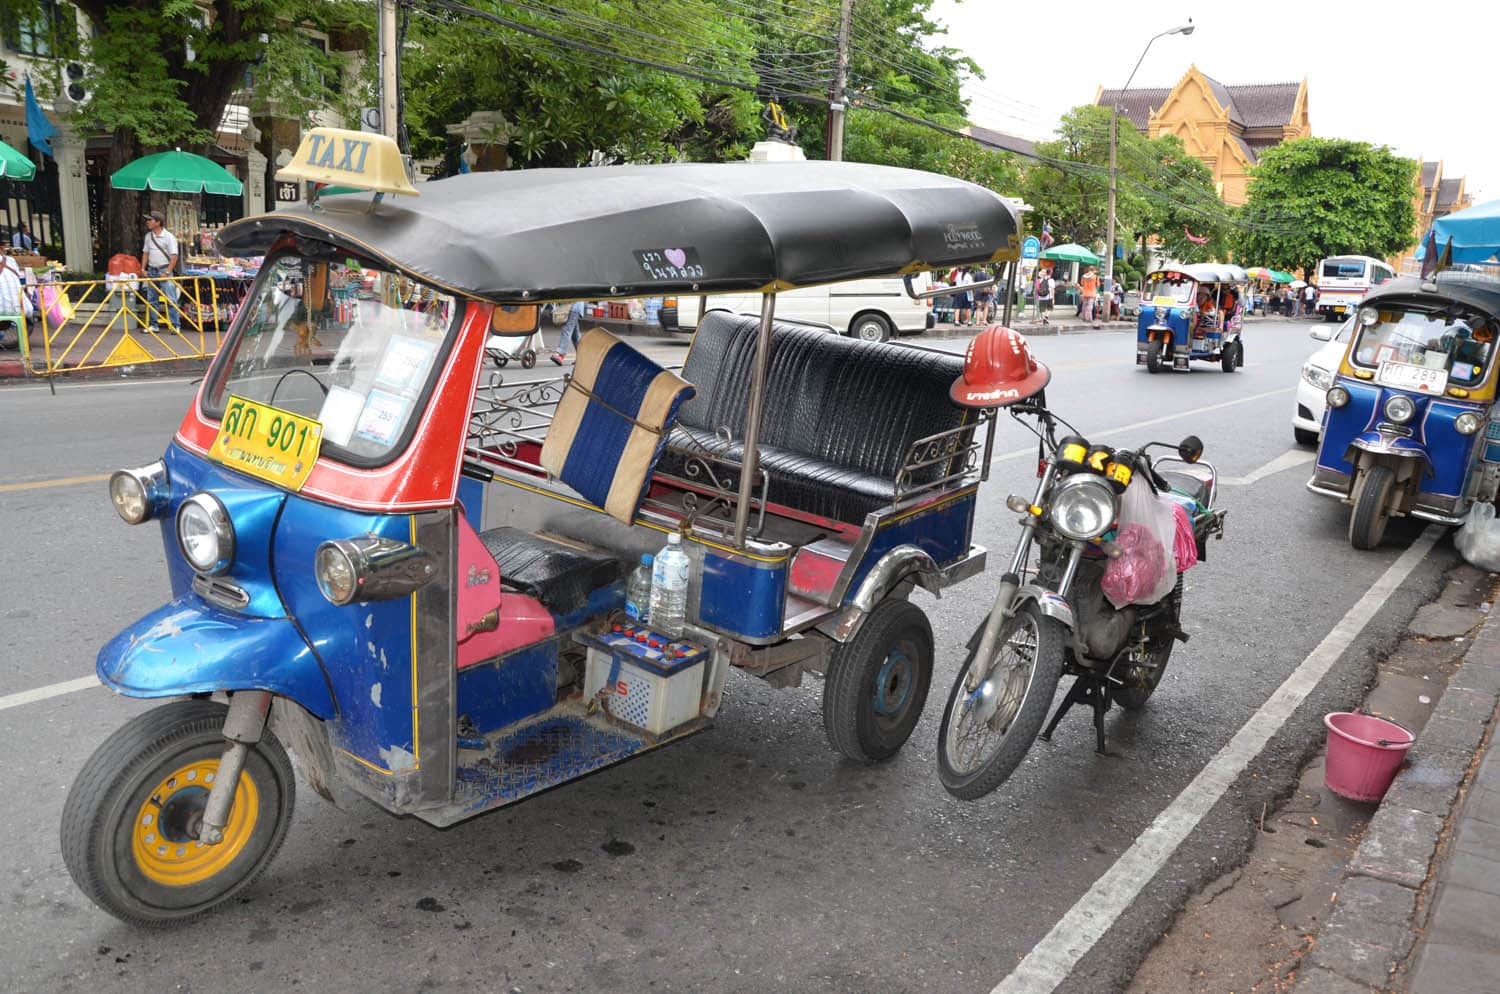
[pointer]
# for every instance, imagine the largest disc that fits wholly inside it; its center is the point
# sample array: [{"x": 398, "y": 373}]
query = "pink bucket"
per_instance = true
[{"x": 1364, "y": 753}]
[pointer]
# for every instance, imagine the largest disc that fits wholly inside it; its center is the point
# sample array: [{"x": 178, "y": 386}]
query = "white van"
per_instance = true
[{"x": 873, "y": 310}]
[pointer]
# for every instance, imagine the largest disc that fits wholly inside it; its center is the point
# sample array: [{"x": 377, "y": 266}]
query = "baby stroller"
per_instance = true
[{"x": 515, "y": 333}]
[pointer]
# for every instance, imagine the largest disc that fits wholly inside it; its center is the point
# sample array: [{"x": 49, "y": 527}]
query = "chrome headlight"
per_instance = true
[
  {"x": 1319, "y": 377},
  {"x": 1400, "y": 409},
  {"x": 1083, "y": 506},
  {"x": 1467, "y": 423},
  {"x": 205, "y": 534},
  {"x": 1337, "y": 397},
  {"x": 370, "y": 568},
  {"x": 139, "y": 494},
  {"x": 1160, "y": 315},
  {"x": 337, "y": 576}
]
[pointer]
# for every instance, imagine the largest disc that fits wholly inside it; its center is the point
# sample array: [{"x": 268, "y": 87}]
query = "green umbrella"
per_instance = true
[
  {"x": 177, "y": 172},
  {"x": 1071, "y": 252},
  {"x": 1277, "y": 276},
  {"x": 14, "y": 165}
]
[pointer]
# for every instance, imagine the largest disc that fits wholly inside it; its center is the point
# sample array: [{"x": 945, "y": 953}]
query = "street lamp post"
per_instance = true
[{"x": 1114, "y": 117}]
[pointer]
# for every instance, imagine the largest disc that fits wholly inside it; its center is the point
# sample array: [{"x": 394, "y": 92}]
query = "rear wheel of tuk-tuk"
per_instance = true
[
  {"x": 1229, "y": 357},
  {"x": 877, "y": 683},
  {"x": 1371, "y": 508},
  {"x": 130, "y": 824},
  {"x": 1153, "y": 356}
]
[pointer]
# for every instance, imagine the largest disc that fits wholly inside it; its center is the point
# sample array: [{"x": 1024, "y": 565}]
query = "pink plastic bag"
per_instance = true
[
  {"x": 1186, "y": 546},
  {"x": 1146, "y": 569}
]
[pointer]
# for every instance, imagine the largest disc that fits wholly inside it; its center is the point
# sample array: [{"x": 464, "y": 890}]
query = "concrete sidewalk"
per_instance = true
[{"x": 1418, "y": 910}]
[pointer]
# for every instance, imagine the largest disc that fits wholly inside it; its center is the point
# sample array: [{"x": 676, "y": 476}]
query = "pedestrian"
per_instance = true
[
  {"x": 21, "y": 239},
  {"x": 568, "y": 336},
  {"x": 1089, "y": 295},
  {"x": 1310, "y": 300},
  {"x": 1297, "y": 302},
  {"x": 159, "y": 254},
  {"x": 963, "y": 301},
  {"x": 1045, "y": 289},
  {"x": 984, "y": 302},
  {"x": 13, "y": 300}
]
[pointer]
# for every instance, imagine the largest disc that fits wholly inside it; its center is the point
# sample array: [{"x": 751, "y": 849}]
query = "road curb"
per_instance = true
[{"x": 1386, "y": 887}]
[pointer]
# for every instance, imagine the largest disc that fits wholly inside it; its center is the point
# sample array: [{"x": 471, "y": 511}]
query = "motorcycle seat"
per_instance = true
[
  {"x": 560, "y": 576},
  {"x": 1187, "y": 483}
]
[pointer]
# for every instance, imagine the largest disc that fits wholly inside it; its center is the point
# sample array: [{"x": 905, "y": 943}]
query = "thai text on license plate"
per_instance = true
[
  {"x": 1405, "y": 376},
  {"x": 267, "y": 443}
]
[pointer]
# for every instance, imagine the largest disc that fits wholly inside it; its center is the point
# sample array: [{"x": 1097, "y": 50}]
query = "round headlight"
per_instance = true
[
  {"x": 1467, "y": 423},
  {"x": 205, "y": 534},
  {"x": 1083, "y": 506},
  {"x": 139, "y": 494},
  {"x": 1368, "y": 316},
  {"x": 337, "y": 577},
  {"x": 1160, "y": 315},
  {"x": 1319, "y": 377},
  {"x": 1400, "y": 409},
  {"x": 1337, "y": 397}
]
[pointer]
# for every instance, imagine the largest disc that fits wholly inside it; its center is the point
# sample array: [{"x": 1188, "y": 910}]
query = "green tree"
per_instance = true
[
  {"x": 1315, "y": 197},
  {"x": 871, "y": 136},
  {"x": 1180, "y": 203},
  {"x": 1068, "y": 185}
]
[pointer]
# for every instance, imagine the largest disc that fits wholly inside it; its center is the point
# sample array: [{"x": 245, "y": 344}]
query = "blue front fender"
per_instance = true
[
  {"x": 189, "y": 647},
  {"x": 1380, "y": 445}
]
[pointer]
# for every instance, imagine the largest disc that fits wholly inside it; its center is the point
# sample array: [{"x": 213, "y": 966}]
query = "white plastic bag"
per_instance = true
[
  {"x": 1478, "y": 539},
  {"x": 1146, "y": 569}
]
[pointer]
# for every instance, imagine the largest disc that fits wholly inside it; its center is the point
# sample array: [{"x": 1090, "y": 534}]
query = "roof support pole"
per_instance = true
[{"x": 750, "y": 468}]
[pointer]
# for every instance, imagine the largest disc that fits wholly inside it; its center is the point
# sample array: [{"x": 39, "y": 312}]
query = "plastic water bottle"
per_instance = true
[
  {"x": 638, "y": 590},
  {"x": 669, "y": 585}
]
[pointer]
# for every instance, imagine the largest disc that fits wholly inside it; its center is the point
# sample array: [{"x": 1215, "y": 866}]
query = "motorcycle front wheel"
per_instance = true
[{"x": 980, "y": 746}]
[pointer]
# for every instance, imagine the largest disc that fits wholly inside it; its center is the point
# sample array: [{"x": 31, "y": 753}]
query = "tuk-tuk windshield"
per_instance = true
[
  {"x": 1434, "y": 339},
  {"x": 349, "y": 345},
  {"x": 1170, "y": 288}
]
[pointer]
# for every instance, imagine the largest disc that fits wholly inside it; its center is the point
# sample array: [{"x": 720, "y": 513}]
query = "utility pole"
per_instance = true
[
  {"x": 389, "y": 53},
  {"x": 836, "y": 105}
]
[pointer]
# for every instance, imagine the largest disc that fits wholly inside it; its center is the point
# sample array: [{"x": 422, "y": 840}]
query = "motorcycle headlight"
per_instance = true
[
  {"x": 1319, "y": 377},
  {"x": 1400, "y": 409},
  {"x": 1083, "y": 506},
  {"x": 205, "y": 534},
  {"x": 1337, "y": 397},
  {"x": 139, "y": 494},
  {"x": 1160, "y": 315},
  {"x": 1466, "y": 423}
]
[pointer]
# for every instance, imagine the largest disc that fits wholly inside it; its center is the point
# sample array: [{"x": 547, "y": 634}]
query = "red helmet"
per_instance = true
[{"x": 998, "y": 370}]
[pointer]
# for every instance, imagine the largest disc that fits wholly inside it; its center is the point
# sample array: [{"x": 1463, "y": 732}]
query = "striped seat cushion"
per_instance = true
[{"x": 611, "y": 424}]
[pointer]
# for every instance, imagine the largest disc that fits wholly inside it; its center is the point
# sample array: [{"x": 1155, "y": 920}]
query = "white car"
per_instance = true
[
  {"x": 873, "y": 310},
  {"x": 1317, "y": 376}
]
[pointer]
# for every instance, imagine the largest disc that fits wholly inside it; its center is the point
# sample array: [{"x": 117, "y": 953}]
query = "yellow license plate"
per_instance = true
[{"x": 267, "y": 443}]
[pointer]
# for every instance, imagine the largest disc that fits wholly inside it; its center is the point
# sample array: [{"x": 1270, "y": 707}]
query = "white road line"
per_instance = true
[
  {"x": 1287, "y": 460},
  {"x": 150, "y": 381},
  {"x": 51, "y": 690},
  {"x": 1051, "y": 960},
  {"x": 1031, "y": 450}
]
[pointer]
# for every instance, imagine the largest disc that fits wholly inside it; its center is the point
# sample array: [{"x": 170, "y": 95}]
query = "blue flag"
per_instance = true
[{"x": 38, "y": 128}]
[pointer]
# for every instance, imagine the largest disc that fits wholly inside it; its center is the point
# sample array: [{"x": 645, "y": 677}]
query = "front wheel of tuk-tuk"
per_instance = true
[
  {"x": 131, "y": 821},
  {"x": 1153, "y": 356},
  {"x": 877, "y": 683},
  {"x": 1372, "y": 510}
]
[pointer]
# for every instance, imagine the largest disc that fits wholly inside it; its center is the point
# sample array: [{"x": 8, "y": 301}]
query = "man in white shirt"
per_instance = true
[{"x": 159, "y": 256}]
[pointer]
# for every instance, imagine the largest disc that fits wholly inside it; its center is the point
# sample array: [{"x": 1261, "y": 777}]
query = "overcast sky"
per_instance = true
[{"x": 1368, "y": 75}]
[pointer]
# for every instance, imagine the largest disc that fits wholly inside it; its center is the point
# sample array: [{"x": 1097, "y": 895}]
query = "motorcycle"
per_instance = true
[{"x": 1051, "y": 617}]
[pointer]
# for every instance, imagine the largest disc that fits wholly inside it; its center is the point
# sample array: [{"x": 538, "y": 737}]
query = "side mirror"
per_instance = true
[
  {"x": 1322, "y": 333},
  {"x": 1190, "y": 448}
]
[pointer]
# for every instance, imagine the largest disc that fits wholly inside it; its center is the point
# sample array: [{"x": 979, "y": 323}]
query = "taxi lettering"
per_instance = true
[{"x": 322, "y": 151}]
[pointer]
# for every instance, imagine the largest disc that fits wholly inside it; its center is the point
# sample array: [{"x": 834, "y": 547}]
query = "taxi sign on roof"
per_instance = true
[{"x": 349, "y": 158}]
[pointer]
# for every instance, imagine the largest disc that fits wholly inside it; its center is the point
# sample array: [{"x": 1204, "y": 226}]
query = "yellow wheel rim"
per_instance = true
[{"x": 163, "y": 837}]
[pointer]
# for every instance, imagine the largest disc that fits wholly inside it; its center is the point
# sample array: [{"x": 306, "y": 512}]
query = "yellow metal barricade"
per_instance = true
[{"x": 124, "y": 321}]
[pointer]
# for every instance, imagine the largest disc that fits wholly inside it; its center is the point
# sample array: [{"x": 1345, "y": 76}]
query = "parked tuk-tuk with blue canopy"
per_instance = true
[
  {"x": 1411, "y": 426},
  {"x": 1192, "y": 313},
  {"x": 410, "y": 569}
]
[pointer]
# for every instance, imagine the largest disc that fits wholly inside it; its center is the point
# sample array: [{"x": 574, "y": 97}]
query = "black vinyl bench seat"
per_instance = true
[{"x": 558, "y": 575}]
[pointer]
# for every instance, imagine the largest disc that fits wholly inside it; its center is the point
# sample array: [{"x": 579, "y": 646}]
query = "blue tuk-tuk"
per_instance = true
[
  {"x": 1411, "y": 426},
  {"x": 1192, "y": 312},
  {"x": 412, "y": 570}
]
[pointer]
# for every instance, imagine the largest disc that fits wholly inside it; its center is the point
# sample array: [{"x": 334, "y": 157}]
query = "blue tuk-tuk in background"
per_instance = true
[
  {"x": 1192, "y": 312},
  {"x": 1411, "y": 427},
  {"x": 412, "y": 570}
]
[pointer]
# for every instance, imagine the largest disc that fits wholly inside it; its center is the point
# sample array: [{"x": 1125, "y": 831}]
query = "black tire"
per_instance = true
[
  {"x": 1226, "y": 357},
  {"x": 1239, "y": 352},
  {"x": 1153, "y": 356},
  {"x": 101, "y": 846},
  {"x": 1305, "y": 437},
  {"x": 502, "y": 361},
  {"x": 1372, "y": 508},
  {"x": 1138, "y": 683},
  {"x": 870, "y": 328},
  {"x": 528, "y": 358},
  {"x": 877, "y": 683},
  {"x": 970, "y": 780}
]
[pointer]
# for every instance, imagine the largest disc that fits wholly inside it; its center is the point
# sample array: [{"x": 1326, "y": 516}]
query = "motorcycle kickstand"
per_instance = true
[{"x": 1087, "y": 689}]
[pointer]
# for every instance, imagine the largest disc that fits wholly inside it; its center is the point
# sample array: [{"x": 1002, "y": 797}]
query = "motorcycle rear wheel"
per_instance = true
[{"x": 974, "y": 758}]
